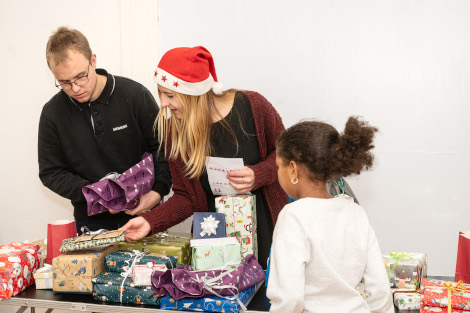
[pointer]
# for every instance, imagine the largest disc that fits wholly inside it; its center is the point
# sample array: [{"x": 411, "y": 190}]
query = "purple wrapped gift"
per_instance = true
[
  {"x": 122, "y": 191},
  {"x": 183, "y": 282},
  {"x": 208, "y": 225}
]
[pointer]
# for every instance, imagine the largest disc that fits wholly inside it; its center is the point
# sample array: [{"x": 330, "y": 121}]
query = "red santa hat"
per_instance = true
[{"x": 189, "y": 71}]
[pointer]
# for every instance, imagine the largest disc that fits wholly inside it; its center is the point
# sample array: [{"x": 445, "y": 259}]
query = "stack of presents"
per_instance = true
[
  {"x": 212, "y": 269},
  {"x": 413, "y": 291},
  {"x": 406, "y": 272}
]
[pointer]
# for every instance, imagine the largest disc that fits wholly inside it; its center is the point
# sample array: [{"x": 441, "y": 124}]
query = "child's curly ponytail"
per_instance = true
[
  {"x": 352, "y": 154},
  {"x": 325, "y": 153}
]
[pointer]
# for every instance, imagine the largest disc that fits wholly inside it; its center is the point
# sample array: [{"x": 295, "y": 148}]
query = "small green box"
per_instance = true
[{"x": 215, "y": 253}]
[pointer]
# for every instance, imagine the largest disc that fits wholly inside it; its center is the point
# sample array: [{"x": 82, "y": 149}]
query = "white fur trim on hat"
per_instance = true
[
  {"x": 217, "y": 88},
  {"x": 171, "y": 82}
]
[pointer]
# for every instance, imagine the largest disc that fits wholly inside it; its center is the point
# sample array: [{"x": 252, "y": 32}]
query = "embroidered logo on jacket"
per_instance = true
[{"x": 119, "y": 127}]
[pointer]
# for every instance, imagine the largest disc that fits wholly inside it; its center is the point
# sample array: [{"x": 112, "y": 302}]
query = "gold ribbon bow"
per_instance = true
[{"x": 459, "y": 287}]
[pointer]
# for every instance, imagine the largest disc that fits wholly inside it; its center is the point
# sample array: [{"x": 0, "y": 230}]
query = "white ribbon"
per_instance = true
[
  {"x": 112, "y": 175},
  {"x": 128, "y": 269},
  {"x": 165, "y": 234},
  {"x": 212, "y": 283}
]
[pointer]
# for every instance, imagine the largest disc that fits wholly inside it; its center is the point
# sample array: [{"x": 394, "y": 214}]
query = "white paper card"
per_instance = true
[{"x": 217, "y": 169}]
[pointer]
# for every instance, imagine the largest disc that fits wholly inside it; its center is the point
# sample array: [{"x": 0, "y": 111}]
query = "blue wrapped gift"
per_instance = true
[
  {"x": 208, "y": 225},
  {"x": 207, "y": 304}
]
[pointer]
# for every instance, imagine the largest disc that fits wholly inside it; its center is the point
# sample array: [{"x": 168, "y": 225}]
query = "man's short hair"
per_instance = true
[{"x": 64, "y": 39}]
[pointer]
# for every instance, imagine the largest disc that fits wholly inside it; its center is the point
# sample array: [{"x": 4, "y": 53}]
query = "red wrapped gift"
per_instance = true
[
  {"x": 434, "y": 309},
  {"x": 445, "y": 294},
  {"x": 18, "y": 262}
]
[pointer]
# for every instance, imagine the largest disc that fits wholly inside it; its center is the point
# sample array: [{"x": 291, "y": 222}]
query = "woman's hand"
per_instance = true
[
  {"x": 136, "y": 228},
  {"x": 243, "y": 181}
]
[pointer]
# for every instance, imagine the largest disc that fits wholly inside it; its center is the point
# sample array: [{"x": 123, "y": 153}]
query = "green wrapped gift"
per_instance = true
[
  {"x": 120, "y": 261},
  {"x": 109, "y": 286},
  {"x": 167, "y": 243},
  {"x": 240, "y": 220},
  {"x": 215, "y": 253},
  {"x": 87, "y": 241}
]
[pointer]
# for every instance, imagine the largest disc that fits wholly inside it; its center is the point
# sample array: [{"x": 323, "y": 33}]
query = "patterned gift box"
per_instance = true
[
  {"x": 405, "y": 270},
  {"x": 44, "y": 277},
  {"x": 42, "y": 251},
  {"x": 142, "y": 274},
  {"x": 240, "y": 220},
  {"x": 208, "y": 225},
  {"x": 184, "y": 282},
  {"x": 18, "y": 262},
  {"x": 434, "y": 309},
  {"x": 168, "y": 243},
  {"x": 207, "y": 304},
  {"x": 73, "y": 271},
  {"x": 122, "y": 260},
  {"x": 90, "y": 241},
  {"x": 406, "y": 299},
  {"x": 216, "y": 253},
  {"x": 114, "y": 287},
  {"x": 441, "y": 293}
]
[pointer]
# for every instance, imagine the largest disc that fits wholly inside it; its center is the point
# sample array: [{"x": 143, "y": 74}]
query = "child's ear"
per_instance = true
[{"x": 293, "y": 169}]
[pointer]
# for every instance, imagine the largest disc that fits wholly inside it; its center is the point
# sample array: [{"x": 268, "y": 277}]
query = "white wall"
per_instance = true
[
  {"x": 123, "y": 34},
  {"x": 403, "y": 65}
]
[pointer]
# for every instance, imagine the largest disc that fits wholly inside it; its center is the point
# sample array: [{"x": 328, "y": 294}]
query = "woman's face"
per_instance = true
[{"x": 168, "y": 99}]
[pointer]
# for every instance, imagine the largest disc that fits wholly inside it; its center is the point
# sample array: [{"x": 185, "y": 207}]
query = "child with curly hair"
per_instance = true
[{"x": 323, "y": 246}]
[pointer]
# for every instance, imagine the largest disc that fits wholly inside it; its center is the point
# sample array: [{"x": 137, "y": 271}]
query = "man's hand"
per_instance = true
[
  {"x": 147, "y": 202},
  {"x": 136, "y": 228},
  {"x": 243, "y": 181}
]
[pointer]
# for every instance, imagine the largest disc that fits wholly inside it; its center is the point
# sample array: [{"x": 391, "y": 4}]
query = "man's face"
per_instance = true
[{"x": 73, "y": 68}]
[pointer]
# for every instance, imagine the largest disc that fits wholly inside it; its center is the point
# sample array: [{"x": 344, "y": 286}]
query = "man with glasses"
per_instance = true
[{"x": 95, "y": 125}]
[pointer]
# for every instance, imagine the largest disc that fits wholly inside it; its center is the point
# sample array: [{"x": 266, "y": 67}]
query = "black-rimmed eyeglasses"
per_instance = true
[{"x": 80, "y": 81}]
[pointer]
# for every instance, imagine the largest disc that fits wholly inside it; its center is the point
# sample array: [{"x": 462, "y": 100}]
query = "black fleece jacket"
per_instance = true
[{"x": 79, "y": 143}]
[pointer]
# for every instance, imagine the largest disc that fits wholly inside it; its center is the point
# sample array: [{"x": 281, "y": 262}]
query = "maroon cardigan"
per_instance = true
[{"x": 189, "y": 195}]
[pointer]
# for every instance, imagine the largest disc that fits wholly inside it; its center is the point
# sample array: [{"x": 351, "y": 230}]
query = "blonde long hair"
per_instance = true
[{"x": 190, "y": 135}]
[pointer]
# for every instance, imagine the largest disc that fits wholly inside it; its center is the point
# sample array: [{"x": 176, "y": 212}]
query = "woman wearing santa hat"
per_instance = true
[{"x": 207, "y": 121}]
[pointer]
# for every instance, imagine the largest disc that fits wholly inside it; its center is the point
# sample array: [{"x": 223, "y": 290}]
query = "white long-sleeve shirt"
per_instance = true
[{"x": 322, "y": 249}]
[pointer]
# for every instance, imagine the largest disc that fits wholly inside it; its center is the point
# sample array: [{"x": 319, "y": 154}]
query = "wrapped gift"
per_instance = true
[
  {"x": 86, "y": 241},
  {"x": 240, "y": 220},
  {"x": 18, "y": 262},
  {"x": 122, "y": 260},
  {"x": 73, "y": 271},
  {"x": 405, "y": 270},
  {"x": 434, "y": 309},
  {"x": 216, "y": 253},
  {"x": 42, "y": 250},
  {"x": 44, "y": 277},
  {"x": 116, "y": 287},
  {"x": 142, "y": 274},
  {"x": 208, "y": 225},
  {"x": 208, "y": 304},
  {"x": 184, "y": 282},
  {"x": 168, "y": 243},
  {"x": 441, "y": 293},
  {"x": 406, "y": 299},
  {"x": 120, "y": 192}
]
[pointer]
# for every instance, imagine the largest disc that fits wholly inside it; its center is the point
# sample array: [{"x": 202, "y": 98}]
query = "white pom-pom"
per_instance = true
[{"x": 217, "y": 88}]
